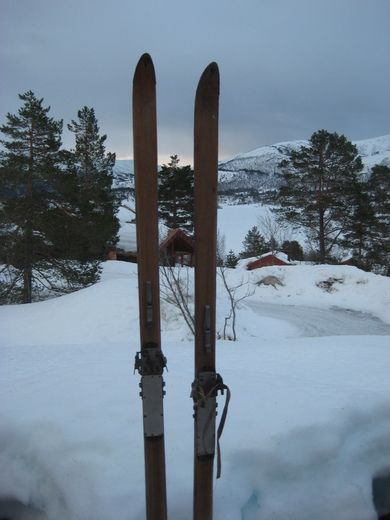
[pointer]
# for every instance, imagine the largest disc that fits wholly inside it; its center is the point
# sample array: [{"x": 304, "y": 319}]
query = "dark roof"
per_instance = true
[{"x": 178, "y": 237}]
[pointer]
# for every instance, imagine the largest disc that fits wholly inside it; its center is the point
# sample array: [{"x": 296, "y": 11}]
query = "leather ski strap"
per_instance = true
[
  {"x": 201, "y": 398},
  {"x": 222, "y": 387}
]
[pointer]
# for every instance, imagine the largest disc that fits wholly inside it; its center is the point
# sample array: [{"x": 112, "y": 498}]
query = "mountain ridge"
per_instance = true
[
  {"x": 247, "y": 174},
  {"x": 257, "y": 170}
]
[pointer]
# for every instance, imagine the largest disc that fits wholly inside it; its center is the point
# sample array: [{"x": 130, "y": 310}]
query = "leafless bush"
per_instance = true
[
  {"x": 273, "y": 231},
  {"x": 236, "y": 293},
  {"x": 175, "y": 289}
]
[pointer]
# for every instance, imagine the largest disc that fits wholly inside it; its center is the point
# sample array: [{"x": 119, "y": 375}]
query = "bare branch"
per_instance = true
[
  {"x": 128, "y": 208},
  {"x": 175, "y": 290},
  {"x": 234, "y": 300}
]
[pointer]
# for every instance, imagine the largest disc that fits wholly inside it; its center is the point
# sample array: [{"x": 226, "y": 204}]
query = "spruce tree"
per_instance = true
[
  {"x": 30, "y": 178},
  {"x": 176, "y": 195},
  {"x": 319, "y": 187},
  {"x": 254, "y": 244},
  {"x": 97, "y": 224},
  {"x": 231, "y": 259}
]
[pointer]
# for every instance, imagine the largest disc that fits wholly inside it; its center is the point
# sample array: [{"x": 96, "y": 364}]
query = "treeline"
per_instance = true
[
  {"x": 57, "y": 206},
  {"x": 324, "y": 193}
]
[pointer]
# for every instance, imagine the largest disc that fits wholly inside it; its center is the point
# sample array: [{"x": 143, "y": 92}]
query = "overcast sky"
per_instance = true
[{"x": 288, "y": 67}]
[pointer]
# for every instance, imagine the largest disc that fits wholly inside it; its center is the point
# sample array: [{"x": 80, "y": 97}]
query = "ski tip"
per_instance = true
[
  {"x": 210, "y": 73},
  {"x": 144, "y": 68},
  {"x": 210, "y": 77},
  {"x": 212, "y": 68}
]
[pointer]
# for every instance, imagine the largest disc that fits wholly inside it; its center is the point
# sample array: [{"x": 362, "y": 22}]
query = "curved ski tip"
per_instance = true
[
  {"x": 213, "y": 66},
  {"x": 210, "y": 76},
  {"x": 146, "y": 59},
  {"x": 211, "y": 71},
  {"x": 144, "y": 65}
]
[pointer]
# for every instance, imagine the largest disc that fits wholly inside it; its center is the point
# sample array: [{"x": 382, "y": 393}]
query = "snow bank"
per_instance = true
[
  {"x": 322, "y": 471},
  {"x": 326, "y": 286},
  {"x": 309, "y": 417}
]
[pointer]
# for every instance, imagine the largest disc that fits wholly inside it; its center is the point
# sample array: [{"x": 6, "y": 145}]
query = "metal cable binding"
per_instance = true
[{"x": 150, "y": 360}]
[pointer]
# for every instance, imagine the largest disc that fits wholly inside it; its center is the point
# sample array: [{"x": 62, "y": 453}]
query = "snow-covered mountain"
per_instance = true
[
  {"x": 124, "y": 173},
  {"x": 259, "y": 169}
]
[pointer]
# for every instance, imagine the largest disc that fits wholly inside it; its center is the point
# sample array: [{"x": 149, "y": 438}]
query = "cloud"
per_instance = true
[{"x": 287, "y": 68}]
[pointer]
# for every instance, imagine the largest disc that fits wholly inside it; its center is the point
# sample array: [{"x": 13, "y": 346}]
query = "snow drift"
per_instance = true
[{"x": 308, "y": 425}]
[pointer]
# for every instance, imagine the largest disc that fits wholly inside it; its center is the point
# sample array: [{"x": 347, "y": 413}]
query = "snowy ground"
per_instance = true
[
  {"x": 309, "y": 421},
  {"x": 234, "y": 221}
]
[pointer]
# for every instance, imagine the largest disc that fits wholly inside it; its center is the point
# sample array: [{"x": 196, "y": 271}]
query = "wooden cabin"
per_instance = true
[{"x": 178, "y": 248}]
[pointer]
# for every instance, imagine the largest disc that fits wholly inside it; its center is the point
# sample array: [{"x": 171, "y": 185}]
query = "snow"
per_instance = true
[
  {"x": 375, "y": 150},
  {"x": 127, "y": 230},
  {"x": 277, "y": 254},
  {"x": 234, "y": 222},
  {"x": 309, "y": 417}
]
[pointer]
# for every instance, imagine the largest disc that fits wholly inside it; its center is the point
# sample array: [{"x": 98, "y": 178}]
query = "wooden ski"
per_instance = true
[
  {"x": 150, "y": 361},
  {"x": 205, "y": 386}
]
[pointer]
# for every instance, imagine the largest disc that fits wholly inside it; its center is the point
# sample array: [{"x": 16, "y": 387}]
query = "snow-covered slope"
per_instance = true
[
  {"x": 124, "y": 173},
  {"x": 374, "y": 151},
  {"x": 307, "y": 429},
  {"x": 259, "y": 169}
]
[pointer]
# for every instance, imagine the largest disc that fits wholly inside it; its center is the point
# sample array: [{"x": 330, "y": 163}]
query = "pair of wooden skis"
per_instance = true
[{"x": 150, "y": 361}]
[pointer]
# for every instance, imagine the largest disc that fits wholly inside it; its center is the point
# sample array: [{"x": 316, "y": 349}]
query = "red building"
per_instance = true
[{"x": 267, "y": 260}]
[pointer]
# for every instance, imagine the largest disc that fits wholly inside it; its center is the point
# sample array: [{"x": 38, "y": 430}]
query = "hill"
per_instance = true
[{"x": 258, "y": 170}]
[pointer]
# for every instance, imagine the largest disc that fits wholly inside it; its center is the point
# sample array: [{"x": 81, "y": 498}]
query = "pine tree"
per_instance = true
[
  {"x": 319, "y": 187},
  {"x": 360, "y": 226},
  {"x": 231, "y": 259},
  {"x": 254, "y": 244},
  {"x": 97, "y": 225},
  {"x": 30, "y": 176},
  {"x": 176, "y": 195},
  {"x": 56, "y": 207},
  {"x": 379, "y": 190}
]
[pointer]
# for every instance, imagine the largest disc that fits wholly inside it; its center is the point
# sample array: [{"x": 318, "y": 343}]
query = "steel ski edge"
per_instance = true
[
  {"x": 150, "y": 361},
  {"x": 205, "y": 387}
]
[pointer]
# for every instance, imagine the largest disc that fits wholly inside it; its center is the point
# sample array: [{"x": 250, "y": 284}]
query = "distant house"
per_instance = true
[
  {"x": 268, "y": 259},
  {"x": 177, "y": 249}
]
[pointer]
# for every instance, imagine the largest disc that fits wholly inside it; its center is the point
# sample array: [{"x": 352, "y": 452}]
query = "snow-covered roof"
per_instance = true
[{"x": 277, "y": 254}]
